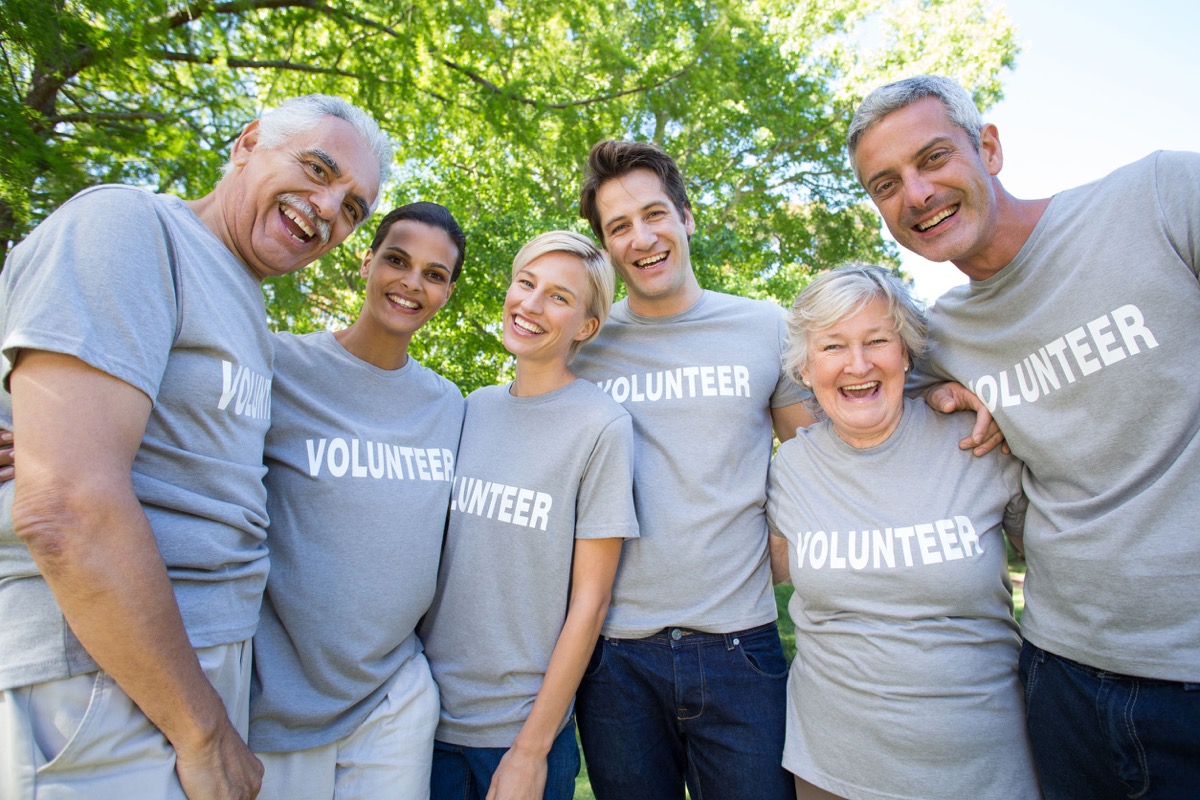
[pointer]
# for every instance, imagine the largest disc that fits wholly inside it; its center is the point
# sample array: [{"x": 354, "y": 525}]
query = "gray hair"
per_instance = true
[
  {"x": 600, "y": 278},
  {"x": 302, "y": 113},
  {"x": 841, "y": 293},
  {"x": 960, "y": 107}
]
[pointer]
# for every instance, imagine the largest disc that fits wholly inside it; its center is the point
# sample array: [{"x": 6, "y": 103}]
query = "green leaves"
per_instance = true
[{"x": 493, "y": 108}]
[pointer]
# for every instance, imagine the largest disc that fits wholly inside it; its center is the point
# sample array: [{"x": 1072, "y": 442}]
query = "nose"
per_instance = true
[
  {"x": 327, "y": 201},
  {"x": 532, "y": 302},
  {"x": 643, "y": 235},
  {"x": 857, "y": 363},
  {"x": 918, "y": 190}
]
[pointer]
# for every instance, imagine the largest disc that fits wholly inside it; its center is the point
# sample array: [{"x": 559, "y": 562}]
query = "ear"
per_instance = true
[
  {"x": 449, "y": 293},
  {"x": 245, "y": 144},
  {"x": 990, "y": 152},
  {"x": 689, "y": 223},
  {"x": 365, "y": 269},
  {"x": 588, "y": 329}
]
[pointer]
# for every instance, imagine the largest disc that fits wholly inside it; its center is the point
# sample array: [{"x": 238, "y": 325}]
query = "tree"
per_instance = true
[{"x": 493, "y": 107}]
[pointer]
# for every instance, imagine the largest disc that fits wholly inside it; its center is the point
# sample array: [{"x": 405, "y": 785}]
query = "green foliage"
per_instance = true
[{"x": 493, "y": 108}]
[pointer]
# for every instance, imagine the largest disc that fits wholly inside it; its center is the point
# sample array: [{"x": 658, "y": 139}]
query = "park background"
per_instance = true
[{"x": 493, "y": 106}]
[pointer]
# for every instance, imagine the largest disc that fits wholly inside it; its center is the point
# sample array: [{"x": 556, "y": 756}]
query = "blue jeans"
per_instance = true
[
  {"x": 1102, "y": 735},
  {"x": 708, "y": 709},
  {"x": 465, "y": 773}
]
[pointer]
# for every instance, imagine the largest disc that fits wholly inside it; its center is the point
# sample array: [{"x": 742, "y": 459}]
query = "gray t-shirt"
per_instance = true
[
  {"x": 905, "y": 682},
  {"x": 700, "y": 386},
  {"x": 1084, "y": 347},
  {"x": 534, "y": 474},
  {"x": 134, "y": 285},
  {"x": 360, "y": 464}
]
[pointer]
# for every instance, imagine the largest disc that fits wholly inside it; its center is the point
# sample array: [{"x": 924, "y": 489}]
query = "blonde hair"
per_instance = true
[{"x": 601, "y": 280}]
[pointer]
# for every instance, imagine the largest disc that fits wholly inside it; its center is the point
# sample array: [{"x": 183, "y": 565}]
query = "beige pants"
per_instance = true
[
  {"x": 389, "y": 755},
  {"x": 82, "y": 737}
]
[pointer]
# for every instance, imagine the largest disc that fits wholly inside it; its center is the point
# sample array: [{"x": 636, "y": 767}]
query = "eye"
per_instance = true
[
  {"x": 317, "y": 168},
  {"x": 829, "y": 348},
  {"x": 936, "y": 158},
  {"x": 619, "y": 228},
  {"x": 352, "y": 213},
  {"x": 436, "y": 276},
  {"x": 528, "y": 284},
  {"x": 561, "y": 298},
  {"x": 883, "y": 188},
  {"x": 656, "y": 214}
]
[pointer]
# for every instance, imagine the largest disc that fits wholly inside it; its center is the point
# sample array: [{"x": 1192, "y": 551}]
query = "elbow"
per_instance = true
[{"x": 48, "y": 521}]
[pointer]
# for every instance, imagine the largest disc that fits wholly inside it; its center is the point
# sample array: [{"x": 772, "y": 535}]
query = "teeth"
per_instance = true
[
  {"x": 924, "y": 226},
  {"x": 860, "y": 387},
  {"x": 526, "y": 326},
  {"x": 651, "y": 261},
  {"x": 402, "y": 301},
  {"x": 296, "y": 218}
]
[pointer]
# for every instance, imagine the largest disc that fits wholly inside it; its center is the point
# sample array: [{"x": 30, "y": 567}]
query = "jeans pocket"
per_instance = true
[
  {"x": 763, "y": 653},
  {"x": 1028, "y": 665},
  {"x": 597, "y": 660}
]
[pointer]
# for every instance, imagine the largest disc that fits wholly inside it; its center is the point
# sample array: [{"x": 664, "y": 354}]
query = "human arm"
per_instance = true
[
  {"x": 786, "y": 419},
  {"x": 7, "y": 456},
  {"x": 778, "y": 548},
  {"x": 522, "y": 770},
  {"x": 950, "y": 397},
  {"x": 75, "y": 508}
]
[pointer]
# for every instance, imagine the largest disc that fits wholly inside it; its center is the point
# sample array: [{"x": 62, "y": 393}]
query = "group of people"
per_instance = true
[{"x": 454, "y": 585}]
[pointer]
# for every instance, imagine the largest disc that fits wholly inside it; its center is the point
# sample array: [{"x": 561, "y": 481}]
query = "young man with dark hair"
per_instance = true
[{"x": 688, "y": 682}]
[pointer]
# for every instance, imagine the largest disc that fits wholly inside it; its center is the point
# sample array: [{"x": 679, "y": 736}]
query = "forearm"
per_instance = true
[
  {"x": 568, "y": 662},
  {"x": 100, "y": 559},
  {"x": 74, "y": 507}
]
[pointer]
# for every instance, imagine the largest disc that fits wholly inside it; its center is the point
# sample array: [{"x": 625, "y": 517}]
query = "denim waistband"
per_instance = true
[{"x": 676, "y": 636}]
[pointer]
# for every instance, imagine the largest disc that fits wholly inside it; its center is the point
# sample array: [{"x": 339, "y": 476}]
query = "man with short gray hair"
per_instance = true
[
  {"x": 137, "y": 374},
  {"x": 1077, "y": 303}
]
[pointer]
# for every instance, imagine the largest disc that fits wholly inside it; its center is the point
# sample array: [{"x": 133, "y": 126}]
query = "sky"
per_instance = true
[{"x": 1097, "y": 85}]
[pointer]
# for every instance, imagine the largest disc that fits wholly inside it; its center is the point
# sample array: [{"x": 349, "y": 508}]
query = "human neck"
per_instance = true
[
  {"x": 534, "y": 377},
  {"x": 383, "y": 350},
  {"x": 1015, "y": 221},
  {"x": 675, "y": 303}
]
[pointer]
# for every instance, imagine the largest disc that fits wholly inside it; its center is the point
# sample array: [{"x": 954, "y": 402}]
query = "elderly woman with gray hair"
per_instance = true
[{"x": 905, "y": 678}]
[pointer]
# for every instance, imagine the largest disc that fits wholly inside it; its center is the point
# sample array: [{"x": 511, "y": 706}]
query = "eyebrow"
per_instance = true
[
  {"x": 408, "y": 257},
  {"x": 925, "y": 148},
  {"x": 364, "y": 207},
  {"x": 642, "y": 210},
  {"x": 557, "y": 287}
]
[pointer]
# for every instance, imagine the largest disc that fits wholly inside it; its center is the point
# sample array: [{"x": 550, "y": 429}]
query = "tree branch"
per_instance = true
[{"x": 247, "y": 63}]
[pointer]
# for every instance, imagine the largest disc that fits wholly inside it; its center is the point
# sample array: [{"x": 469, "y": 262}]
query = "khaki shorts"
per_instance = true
[
  {"x": 82, "y": 737},
  {"x": 389, "y": 755}
]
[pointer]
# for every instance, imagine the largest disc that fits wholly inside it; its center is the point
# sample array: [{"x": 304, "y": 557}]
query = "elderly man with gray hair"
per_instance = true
[
  {"x": 137, "y": 374},
  {"x": 1077, "y": 303}
]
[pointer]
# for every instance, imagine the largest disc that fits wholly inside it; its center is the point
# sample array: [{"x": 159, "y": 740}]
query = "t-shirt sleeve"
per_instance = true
[
  {"x": 94, "y": 281},
  {"x": 787, "y": 391},
  {"x": 1177, "y": 179},
  {"x": 1014, "y": 512},
  {"x": 604, "y": 507}
]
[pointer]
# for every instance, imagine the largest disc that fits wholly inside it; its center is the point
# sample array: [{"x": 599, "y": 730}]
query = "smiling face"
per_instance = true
[
  {"x": 545, "y": 309},
  {"x": 287, "y": 206},
  {"x": 408, "y": 277},
  {"x": 856, "y": 369},
  {"x": 936, "y": 192},
  {"x": 647, "y": 238}
]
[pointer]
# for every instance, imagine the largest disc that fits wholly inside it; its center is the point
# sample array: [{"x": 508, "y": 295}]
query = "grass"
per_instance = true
[{"x": 787, "y": 634}]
